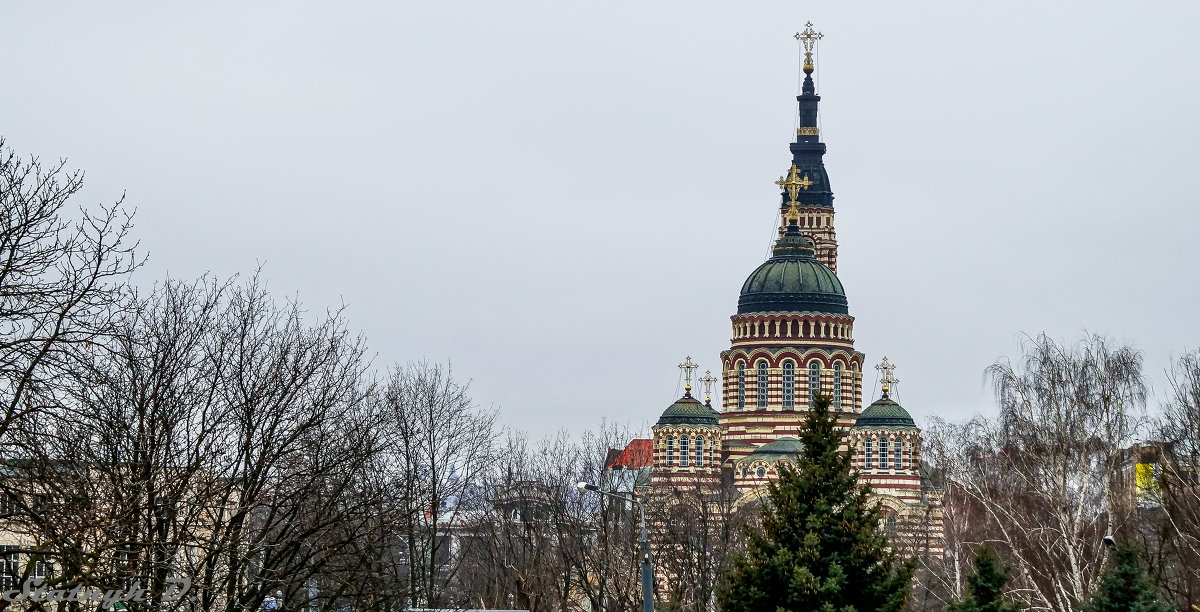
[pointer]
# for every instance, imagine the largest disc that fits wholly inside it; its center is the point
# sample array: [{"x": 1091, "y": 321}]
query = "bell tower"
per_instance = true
[{"x": 806, "y": 183}]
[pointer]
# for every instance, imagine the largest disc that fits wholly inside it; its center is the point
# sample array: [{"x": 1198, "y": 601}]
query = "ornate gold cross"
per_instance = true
[
  {"x": 688, "y": 367},
  {"x": 809, "y": 38},
  {"x": 707, "y": 380},
  {"x": 886, "y": 369},
  {"x": 793, "y": 183}
]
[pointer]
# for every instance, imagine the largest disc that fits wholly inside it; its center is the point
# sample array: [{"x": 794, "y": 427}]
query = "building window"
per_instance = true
[
  {"x": 883, "y": 453},
  {"x": 837, "y": 385},
  {"x": 10, "y": 569},
  {"x": 762, "y": 384},
  {"x": 741, "y": 383},
  {"x": 789, "y": 385},
  {"x": 761, "y": 472},
  {"x": 42, "y": 568},
  {"x": 699, "y": 451},
  {"x": 670, "y": 451},
  {"x": 867, "y": 448},
  {"x": 899, "y": 454},
  {"x": 683, "y": 451},
  {"x": 814, "y": 382}
]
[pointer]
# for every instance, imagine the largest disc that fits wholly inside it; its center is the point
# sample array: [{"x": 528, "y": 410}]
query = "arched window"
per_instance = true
[
  {"x": 683, "y": 451},
  {"x": 899, "y": 456},
  {"x": 699, "y": 451},
  {"x": 837, "y": 385},
  {"x": 670, "y": 451},
  {"x": 762, "y": 384},
  {"x": 761, "y": 472},
  {"x": 868, "y": 446},
  {"x": 883, "y": 453},
  {"x": 814, "y": 382},
  {"x": 741, "y": 383},
  {"x": 789, "y": 384}
]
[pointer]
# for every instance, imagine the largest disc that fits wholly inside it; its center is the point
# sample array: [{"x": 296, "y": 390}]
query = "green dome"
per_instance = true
[
  {"x": 884, "y": 412},
  {"x": 783, "y": 448},
  {"x": 688, "y": 411},
  {"x": 792, "y": 280}
]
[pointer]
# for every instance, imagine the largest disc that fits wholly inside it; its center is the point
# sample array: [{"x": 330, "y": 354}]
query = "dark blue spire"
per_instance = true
[{"x": 808, "y": 151}]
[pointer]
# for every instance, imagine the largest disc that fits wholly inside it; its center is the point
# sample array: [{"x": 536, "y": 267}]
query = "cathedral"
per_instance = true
[{"x": 792, "y": 338}]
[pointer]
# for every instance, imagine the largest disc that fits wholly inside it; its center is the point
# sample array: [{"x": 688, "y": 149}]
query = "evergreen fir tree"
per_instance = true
[
  {"x": 985, "y": 587},
  {"x": 819, "y": 546},
  {"x": 1125, "y": 587}
]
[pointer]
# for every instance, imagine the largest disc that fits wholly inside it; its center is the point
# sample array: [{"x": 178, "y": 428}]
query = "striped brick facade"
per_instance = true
[
  {"x": 675, "y": 468},
  {"x": 816, "y": 222}
]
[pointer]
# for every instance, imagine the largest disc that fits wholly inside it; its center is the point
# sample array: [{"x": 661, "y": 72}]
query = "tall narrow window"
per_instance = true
[
  {"x": 868, "y": 446},
  {"x": 741, "y": 383},
  {"x": 670, "y": 451},
  {"x": 699, "y": 451},
  {"x": 762, "y": 384},
  {"x": 683, "y": 451},
  {"x": 837, "y": 385},
  {"x": 43, "y": 569},
  {"x": 9, "y": 567},
  {"x": 883, "y": 453},
  {"x": 899, "y": 456},
  {"x": 814, "y": 382},
  {"x": 789, "y": 384}
]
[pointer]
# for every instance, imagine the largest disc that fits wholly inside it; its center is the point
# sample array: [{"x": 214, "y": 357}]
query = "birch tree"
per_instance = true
[{"x": 1042, "y": 472}]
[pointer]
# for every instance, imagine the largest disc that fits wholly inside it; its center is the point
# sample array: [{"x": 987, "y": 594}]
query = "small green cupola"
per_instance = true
[
  {"x": 688, "y": 410},
  {"x": 885, "y": 413}
]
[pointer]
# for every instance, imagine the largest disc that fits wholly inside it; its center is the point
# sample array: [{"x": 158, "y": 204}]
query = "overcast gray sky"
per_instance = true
[{"x": 563, "y": 198}]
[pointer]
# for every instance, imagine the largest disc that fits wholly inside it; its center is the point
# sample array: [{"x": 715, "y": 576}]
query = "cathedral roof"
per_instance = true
[
  {"x": 792, "y": 280},
  {"x": 688, "y": 410},
  {"x": 884, "y": 412},
  {"x": 782, "y": 448}
]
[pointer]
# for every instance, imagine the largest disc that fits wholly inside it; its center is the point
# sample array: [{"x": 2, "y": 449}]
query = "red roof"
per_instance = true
[{"x": 639, "y": 453}]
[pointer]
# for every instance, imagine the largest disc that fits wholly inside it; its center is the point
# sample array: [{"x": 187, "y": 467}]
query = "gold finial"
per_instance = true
[
  {"x": 888, "y": 380},
  {"x": 793, "y": 183},
  {"x": 688, "y": 367},
  {"x": 707, "y": 380},
  {"x": 809, "y": 38}
]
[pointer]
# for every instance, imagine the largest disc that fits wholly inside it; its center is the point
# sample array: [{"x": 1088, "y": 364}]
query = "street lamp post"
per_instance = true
[{"x": 647, "y": 571}]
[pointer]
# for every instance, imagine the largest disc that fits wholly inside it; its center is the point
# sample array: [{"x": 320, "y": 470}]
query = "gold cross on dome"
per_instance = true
[
  {"x": 793, "y": 183},
  {"x": 688, "y": 367},
  {"x": 707, "y": 380},
  {"x": 809, "y": 38},
  {"x": 886, "y": 369}
]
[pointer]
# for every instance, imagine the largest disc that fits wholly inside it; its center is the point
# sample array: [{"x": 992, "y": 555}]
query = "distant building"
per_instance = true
[{"x": 626, "y": 469}]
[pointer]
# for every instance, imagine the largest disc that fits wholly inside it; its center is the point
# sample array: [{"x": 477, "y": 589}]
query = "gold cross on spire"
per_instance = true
[
  {"x": 809, "y": 38},
  {"x": 688, "y": 367},
  {"x": 793, "y": 183},
  {"x": 888, "y": 380},
  {"x": 707, "y": 380}
]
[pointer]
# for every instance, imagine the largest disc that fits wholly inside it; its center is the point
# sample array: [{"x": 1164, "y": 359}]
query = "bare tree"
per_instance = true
[
  {"x": 1179, "y": 460},
  {"x": 60, "y": 278},
  {"x": 439, "y": 446},
  {"x": 1041, "y": 475},
  {"x": 696, "y": 532},
  {"x": 218, "y": 437}
]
